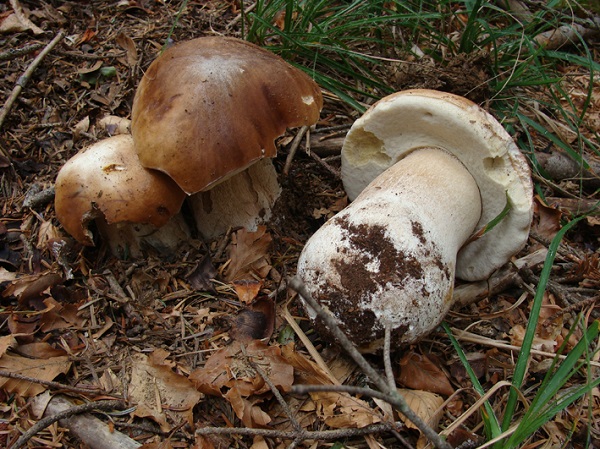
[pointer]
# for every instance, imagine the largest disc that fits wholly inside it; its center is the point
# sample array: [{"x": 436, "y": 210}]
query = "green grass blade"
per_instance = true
[
  {"x": 521, "y": 365},
  {"x": 542, "y": 408},
  {"x": 490, "y": 421}
]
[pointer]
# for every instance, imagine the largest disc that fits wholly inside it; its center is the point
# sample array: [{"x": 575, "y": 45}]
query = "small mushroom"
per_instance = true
[
  {"x": 208, "y": 109},
  {"x": 425, "y": 170},
  {"x": 105, "y": 183}
]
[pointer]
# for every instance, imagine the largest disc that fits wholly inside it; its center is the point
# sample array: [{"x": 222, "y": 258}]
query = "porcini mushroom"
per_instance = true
[
  {"x": 425, "y": 171},
  {"x": 105, "y": 183},
  {"x": 208, "y": 109}
]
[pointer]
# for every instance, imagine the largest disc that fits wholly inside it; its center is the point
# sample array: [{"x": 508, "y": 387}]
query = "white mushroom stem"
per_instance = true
[
  {"x": 243, "y": 200},
  {"x": 391, "y": 255}
]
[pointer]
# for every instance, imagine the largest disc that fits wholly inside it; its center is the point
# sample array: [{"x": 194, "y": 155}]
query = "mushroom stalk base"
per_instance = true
[
  {"x": 391, "y": 255},
  {"x": 243, "y": 200}
]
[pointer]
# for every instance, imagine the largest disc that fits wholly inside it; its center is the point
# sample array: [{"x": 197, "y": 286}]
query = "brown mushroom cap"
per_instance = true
[
  {"x": 107, "y": 178},
  {"x": 208, "y": 108}
]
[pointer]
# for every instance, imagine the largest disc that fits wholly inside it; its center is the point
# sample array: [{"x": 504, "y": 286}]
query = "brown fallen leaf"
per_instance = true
[
  {"x": 547, "y": 219},
  {"x": 247, "y": 289},
  {"x": 201, "y": 277},
  {"x": 247, "y": 409},
  {"x": 40, "y": 369},
  {"x": 255, "y": 322},
  {"x": 128, "y": 44},
  {"x": 248, "y": 253},
  {"x": 337, "y": 410},
  {"x": 6, "y": 342},
  {"x": 228, "y": 368},
  {"x": 426, "y": 406},
  {"x": 418, "y": 372},
  {"x": 159, "y": 392},
  {"x": 57, "y": 316}
]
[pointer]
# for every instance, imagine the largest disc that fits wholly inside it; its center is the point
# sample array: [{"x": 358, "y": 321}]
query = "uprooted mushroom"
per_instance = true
[
  {"x": 205, "y": 116},
  {"x": 427, "y": 172}
]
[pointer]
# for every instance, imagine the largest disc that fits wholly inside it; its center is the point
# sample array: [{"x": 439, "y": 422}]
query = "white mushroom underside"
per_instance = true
[
  {"x": 391, "y": 254},
  {"x": 412, "y": 119}
]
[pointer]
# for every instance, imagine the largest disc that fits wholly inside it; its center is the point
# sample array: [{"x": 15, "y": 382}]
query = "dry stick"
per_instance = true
[
  {"x": 310, "y": 434},
  {"x": 16, "y": 52},
  {"x": 387, "y": 355},
  {"x": 45, "y": 422},
  {"x": 293, "y": 148},
  {"x": 50, "y": 384},
  {"x": 328, "y": 167},
  {"x": 394, "y": 397},
  {"x": 295, "y": 424},
  {"x": 23, "y": 79}
]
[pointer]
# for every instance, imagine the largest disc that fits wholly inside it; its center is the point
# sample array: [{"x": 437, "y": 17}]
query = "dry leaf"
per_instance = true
[
  {"x": 82, "y": 126},
  {"x": 249, "y": 413},
  {"x": 164, "y": 444},
  {"x": 426, "y": 406},
  {"x": 255, "y": 322},
  {"x": 58, "y": 316},
  {"x": 19, "y": 21},
  {"x": 548, "y": 219},
  {"x": 6, "y": 342},
  {"x": 114, "y": 125},
  {"x": 418, "y": 372},
  {"x": 248, "y": 253},
  {"x": 7, "y": 276},
  {"x": 340, "y": 411},
  {"x": 201, "y": 277},
  {"x": 41, "y": 369},
  {"x": 127, "y": 44},
  {"x": 337, "y": 410},
  {"x": 247, "y": 289},
  {"x": 228, "y": 368},
  {"x": 160, "y": 393}
]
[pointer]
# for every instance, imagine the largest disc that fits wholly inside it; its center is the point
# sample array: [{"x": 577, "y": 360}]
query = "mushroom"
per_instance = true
[
  {"x": 426, "y": 170},
  {"x": 105, "y": 183},
  {"x": 207, "y": 113}
]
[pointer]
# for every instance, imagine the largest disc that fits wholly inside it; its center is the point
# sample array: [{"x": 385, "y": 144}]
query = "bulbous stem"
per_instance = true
[{"x": 391, "y": 254}]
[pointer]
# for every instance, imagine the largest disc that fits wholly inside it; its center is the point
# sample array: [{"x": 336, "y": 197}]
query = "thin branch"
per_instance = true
[
  {"x": 24, "y": 79},
  {"x": 12, "y": 53},
  {"x": 307, "y": 434},
  {"x": 374, "y": 376},
  {"x": 387, "y": 358},
  {"x": 293, "y": 148},
  {"x": 295, "y": 424},
  {"x": 51, "y": 384},
  {"x": 77, "y": 410}
]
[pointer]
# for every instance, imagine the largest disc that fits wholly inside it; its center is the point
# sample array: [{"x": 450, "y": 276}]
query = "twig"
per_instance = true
[
  {"x": 307, "y": 434},
  {"x": 387, "y": 358},
  {"x": 394, "y": 397},
  {"x": 328, "y": 167},
  {"x": 77, "y": 410},
  {"x": 293, "y": 148},
  {"x": 15, "y": 52},
  {"x": 295, "y": 424},
  {"x": 51, "y": 384},
  {"x": 23, "y": 79}
]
